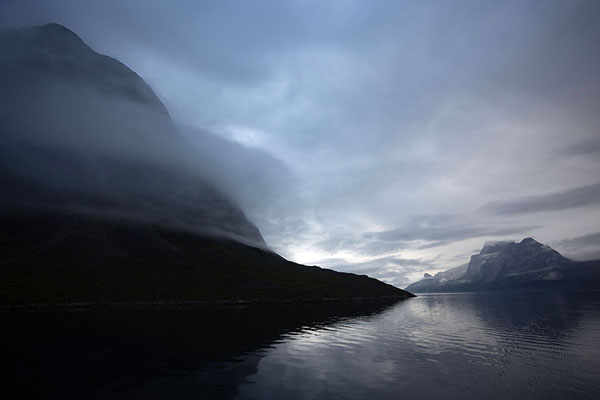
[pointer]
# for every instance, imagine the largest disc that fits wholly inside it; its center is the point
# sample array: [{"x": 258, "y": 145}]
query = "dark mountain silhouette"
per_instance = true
[
  {"x": 104, "y": 200},
  {"x": 509, "y": 265}
]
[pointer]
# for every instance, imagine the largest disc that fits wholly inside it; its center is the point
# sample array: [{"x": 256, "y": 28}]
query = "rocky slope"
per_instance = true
[
  {"x": 509, "y": 265},
  {"x": 104, "y": 200}
]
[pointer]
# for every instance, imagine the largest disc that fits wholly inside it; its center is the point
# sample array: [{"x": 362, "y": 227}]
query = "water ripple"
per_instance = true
[{"x": 445, "y": 345}]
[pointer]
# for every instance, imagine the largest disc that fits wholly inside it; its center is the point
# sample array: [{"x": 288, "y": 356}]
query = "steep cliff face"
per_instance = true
[
  {"x": 509, "y": 265},
  {"x": 528, "y": 258}
]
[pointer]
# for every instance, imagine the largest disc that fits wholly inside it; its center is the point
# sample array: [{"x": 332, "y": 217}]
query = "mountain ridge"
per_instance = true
[{"x": 528, "y": 264}]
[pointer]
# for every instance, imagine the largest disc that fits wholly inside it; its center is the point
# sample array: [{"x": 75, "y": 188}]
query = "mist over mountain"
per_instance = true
[
  {"x": 232, "y": 199},
  {"x": 105, "y": 198},
  {"x": 83, "y": 133},
  {"x": 510, "y": 265}
]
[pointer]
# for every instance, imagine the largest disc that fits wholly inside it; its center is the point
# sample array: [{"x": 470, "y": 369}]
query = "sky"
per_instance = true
[{"x": 390, "y": 138}]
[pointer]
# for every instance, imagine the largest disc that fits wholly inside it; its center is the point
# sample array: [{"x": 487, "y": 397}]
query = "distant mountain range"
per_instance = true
[
  {"x": 103, "y": 199},
  {"x": 510, "y": 265}
]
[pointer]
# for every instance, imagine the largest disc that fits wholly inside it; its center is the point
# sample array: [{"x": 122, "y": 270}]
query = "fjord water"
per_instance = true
[
  {"x": 502, "y": 345},
  {"x": 492, "y": 345}
]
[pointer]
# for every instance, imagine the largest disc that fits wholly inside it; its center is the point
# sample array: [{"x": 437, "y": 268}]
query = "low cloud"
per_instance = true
[
  {"x": 103, "y": 144},
  {"x": 562, "y": 200},
  {"x": 586, "y": 148},
  {"x": 422, "y": 232},
  {"x": 394, "y": 270},
  {"x": 586, "y": 247}
]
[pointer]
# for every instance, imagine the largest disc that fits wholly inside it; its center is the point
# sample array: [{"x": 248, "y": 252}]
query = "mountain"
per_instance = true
[
  {"x": 436, "y": 282},
  {"x": 104, "y": 199},
  {"x": 37, "y": 54},
  {"x": 59, "y": 258},
  {"x": 509, "y": 265},
  {"x": 83, "y": 133}
]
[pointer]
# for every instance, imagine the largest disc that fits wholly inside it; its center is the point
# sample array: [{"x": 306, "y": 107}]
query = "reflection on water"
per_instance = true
[
  {"x": 496, "y": 345},
  {"x": 493, "y": 345},
  {"x": 185, "y": 352}
]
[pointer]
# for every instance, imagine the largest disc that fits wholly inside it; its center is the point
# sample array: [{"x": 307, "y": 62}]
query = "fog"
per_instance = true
[{"x": 102, "y": 144}]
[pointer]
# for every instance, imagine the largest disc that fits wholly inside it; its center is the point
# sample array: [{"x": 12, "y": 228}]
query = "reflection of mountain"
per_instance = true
[
  {"x": 557, "y": 329},
  {"x": 536, "y": 312},
  {"x": 104, "y": 200},
  {"x": 508, "y": 265},
  {"x": 505, "y": 345},
  {"x": 151, "y": 353}
]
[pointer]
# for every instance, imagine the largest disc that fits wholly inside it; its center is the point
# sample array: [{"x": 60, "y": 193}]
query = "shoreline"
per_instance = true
[{"x": 192, "y": 303}]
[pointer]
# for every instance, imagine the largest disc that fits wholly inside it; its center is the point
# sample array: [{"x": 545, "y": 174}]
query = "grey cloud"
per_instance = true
[
  {"x": 250, "y": 176},
  {"x": 232, "y": 41},
  {"x": 370, "y": 112},
  {"x": 422, "y": 232},
  {"x": 565, "y": 199},
  {"x": 393, "y": 270},
  {"x": 589, "y": 148},
  {"x": 586, "y": 247}
]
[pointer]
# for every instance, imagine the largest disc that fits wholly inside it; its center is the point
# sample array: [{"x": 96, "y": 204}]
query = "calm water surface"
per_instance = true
[{"x": 498, "y": 345}]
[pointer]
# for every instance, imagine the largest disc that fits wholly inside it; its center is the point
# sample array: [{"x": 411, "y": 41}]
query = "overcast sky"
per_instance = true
[{"x": 406, "y": 133}]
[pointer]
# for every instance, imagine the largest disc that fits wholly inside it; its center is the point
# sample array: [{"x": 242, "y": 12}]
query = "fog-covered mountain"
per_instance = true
[
  {"x": 104, "y": 199},
  {"x": 82, "y": 133},
  {"x": 510, "y": 265}
]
